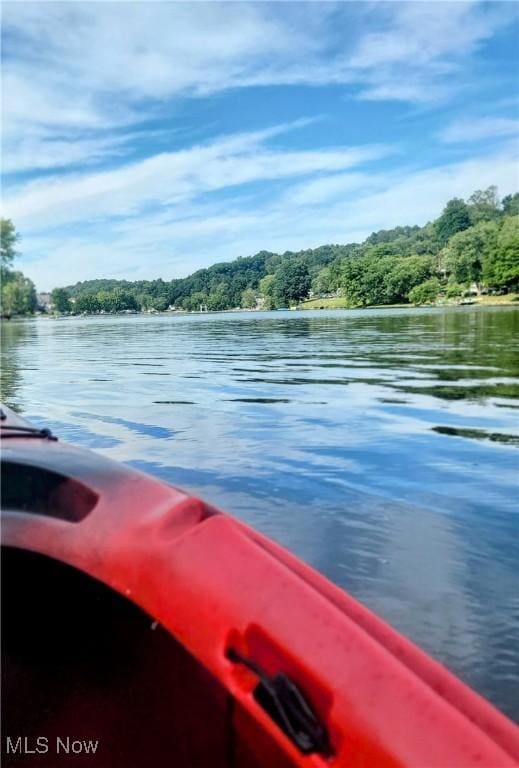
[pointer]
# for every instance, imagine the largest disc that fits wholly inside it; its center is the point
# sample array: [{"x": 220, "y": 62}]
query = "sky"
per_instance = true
[{"x": 150, "y": 139}]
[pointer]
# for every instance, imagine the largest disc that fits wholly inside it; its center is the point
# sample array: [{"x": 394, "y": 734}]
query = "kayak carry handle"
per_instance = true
[
  {"x": 282, "y": 700},
  {"x": 14, "y": 430}
]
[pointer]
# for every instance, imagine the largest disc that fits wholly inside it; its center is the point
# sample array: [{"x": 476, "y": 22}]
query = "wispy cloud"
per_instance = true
[
  {"x": 82, "y": 63},
  {"x": 77, "y": 66},
  {"x": 46, "y": 151},
  {"x": 477, "y": 129},
  {"x": 421, "y": 51},
  {"x": 170, "y": 177}
]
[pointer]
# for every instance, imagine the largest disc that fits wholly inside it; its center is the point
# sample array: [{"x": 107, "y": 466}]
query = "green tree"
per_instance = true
[
  {"x": 61, "y": 300},
  {"x": 323, "y": 282},
  {"x": 105, "y": 301},
  {"x": 248, "y": 299},
  {"x": 12, "y": 299},
  {"x": 292, "y": 283},
  {"x": 455, "y": 218},
  {"x": 18, "y": 295},
  {"x": 160, "y": 303},
  {"x": 144, "y": 300},
  {"x": 453, "y": 288},
  {"x": 87, "y": 302},
  {"x": 266, "y": 289},
  {"x": 466, "y": 251},
  {"x": 8, "y": 239},
  {"x": 426, "y": 292},
  {"x": 123, "y": 300},
  {"x": 501, "y": 263},
  {"x": 199, "y": 300},
  {"x": 352, "y": 281},
  {"x": 483, "y": 205},
  {"x": 404, "y": 275},
  {"x": 365, "y": 278},
  {"x": 196, "y": 302},
  {"x": 510, "y": 205},
  {"x": 375, "y": 274},
  {"x": 219, "y": 298},
  {"x": 117, "y": 300}
]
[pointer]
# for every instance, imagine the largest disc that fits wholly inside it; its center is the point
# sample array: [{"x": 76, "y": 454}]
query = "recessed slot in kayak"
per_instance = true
[
  {"x": 33, "y": 489},
  {"x": 283, "y": 701}
]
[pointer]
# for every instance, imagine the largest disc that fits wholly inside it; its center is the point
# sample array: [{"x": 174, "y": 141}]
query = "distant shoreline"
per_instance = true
[{"x": 510, "y": 300}]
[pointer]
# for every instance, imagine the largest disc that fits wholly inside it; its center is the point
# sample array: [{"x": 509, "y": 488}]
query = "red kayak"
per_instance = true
[{"x": 144, "y": 628}]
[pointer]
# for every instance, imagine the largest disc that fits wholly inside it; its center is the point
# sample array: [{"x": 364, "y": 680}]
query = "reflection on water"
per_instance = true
[
  {"x": 381, "y": 446},
  {"x": 13, "y": 335},
  {"x": 478, "y": 434}
]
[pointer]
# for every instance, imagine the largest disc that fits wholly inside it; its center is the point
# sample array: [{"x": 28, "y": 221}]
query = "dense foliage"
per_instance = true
[
  {"x": 266, "y": 279},
  {"x": 8, "y": 239},
  {"x": 472, "y": 246},
  {"x": 18, "y": 295}
]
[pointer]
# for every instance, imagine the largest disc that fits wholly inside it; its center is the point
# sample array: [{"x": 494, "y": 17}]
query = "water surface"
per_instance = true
[{"x": 380, "y": 446}]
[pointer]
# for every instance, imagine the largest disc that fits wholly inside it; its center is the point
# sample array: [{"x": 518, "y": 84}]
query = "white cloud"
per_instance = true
[
  {"x": 170, "y": 177},
  {"x": 420, "y": 52},
  {"x": 476, "y": 129},
  {"x": 421, "y": 33},
  {"x": 70, "y": 67},
  {"x": 75, "y": 67},
  {"x": 74, "y": 59},
  {"x": 417, "y": 197},
  {"x": 325, "y": 188},
  {"x": 37, "y": 152}
]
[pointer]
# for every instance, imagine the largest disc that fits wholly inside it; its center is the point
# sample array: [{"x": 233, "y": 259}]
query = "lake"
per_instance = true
[{"x": 379, "y": 445}]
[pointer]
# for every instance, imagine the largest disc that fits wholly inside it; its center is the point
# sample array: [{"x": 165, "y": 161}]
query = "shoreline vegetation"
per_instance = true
[
  {"x": 336, "y": 303},
  {"x": 506, "y": 300},
  {"x": 468, "y": 255}
]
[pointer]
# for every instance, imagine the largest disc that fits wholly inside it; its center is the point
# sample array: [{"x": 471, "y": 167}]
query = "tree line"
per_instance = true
[{"x": 472, "y": 246}]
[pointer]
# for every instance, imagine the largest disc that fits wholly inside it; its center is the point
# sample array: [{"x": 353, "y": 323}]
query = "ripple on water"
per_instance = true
[
  {"x": 174, "y": 402},
  {"x": 265, "y": 400}
]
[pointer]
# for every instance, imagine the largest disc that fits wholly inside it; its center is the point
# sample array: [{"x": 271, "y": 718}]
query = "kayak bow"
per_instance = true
[{"x": 144, "y": 618}]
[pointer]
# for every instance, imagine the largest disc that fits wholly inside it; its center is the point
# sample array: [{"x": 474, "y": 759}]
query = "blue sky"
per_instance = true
[{"x": 144, "y": 140}]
